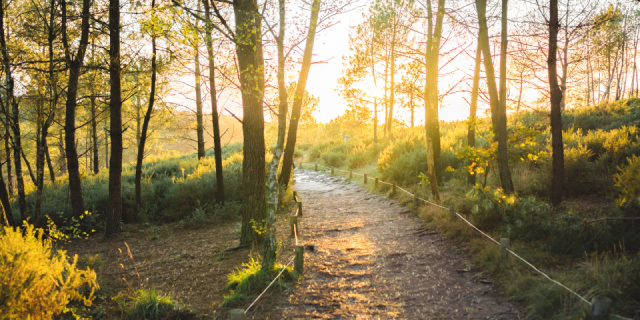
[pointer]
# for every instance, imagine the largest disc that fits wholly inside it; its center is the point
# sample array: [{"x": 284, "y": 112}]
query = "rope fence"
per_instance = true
[{"x": 599, "y": 307}]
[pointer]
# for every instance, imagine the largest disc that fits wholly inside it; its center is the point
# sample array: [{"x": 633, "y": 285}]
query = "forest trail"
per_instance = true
[{"x": 375, "y": 261}]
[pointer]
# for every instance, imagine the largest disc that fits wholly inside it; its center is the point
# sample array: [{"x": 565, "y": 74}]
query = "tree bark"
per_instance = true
[
  {"x": 270, "y": 246},
  {"x": 217, "y": 144},
  {"x": 557, "y": 182},
  {"x": 6, "y": 216},
  {"x": 7, "y": 148},
  {"x": 251, "y": 63},
  {"x": 147, "y": 118},
  {"x": 287, "y": 162},
  {"x": 392, "y": 86},
  {"x": 471, "y": 134},
  {"x": 503, "y": 156},
  {"x": 75, "y": 64},
  {"x": 52, "y": 171},
  {"x": 498, "y": 120},
  {"x": 199, "y": 124},
  {"x": 432, "y": 129},
  {"x": 114, "y": 211},
  {"x": 14, "y": 118}
]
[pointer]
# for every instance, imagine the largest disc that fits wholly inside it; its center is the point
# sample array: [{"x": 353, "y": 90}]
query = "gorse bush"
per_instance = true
[
  {"x": 628, "y": 183},
  {"x": 38, "y": 283}
]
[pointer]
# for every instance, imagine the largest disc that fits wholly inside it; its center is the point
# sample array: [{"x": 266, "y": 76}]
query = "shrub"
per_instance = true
[
  {"x": 628, "y": 182},
  {"x": 403, "y": 161},
  {"x": 334, "y": 159},
  {"x": 36, "y": 282}
]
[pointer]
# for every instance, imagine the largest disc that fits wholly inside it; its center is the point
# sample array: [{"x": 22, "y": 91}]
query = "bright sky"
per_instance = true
[{"x": 331, "y": 45}]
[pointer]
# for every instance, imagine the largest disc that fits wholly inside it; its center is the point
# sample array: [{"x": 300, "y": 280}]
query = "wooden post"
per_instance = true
[
  {"x": 300, "y": 209},
  {"x": 415, "y": 199},
  {"x": 295, "y": 196},
  {"x": 376, "y": 183},
  {"x": 236, "y": 314},
  {"x": 298, "y": 264},
  {"x": 331, "y": 170},
  {"x": 600, "y": 308},
  {"x": 316, "y": 167},
  {"x": 350, "y": 174},
  {"x": 293, "y": 221},
  {"x": 452, "y": 213},
  {"x": 365, "y": 178},
  {"x": 504, "y": 245}
]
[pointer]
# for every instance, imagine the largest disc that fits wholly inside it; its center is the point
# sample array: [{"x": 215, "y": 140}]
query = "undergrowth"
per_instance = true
[{"x": 250, "y": 280}]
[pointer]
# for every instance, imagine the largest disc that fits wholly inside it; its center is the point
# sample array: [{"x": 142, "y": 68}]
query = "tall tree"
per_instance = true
[
  {"x": 503, "y": 157},
  {"x": 557, "y": 180},
  {"x": 198, "y": 88},
  {"x": 217, "y": 145},
  {"x": 75, "y": 64},
  {"x": 12, "y": 110},
  {"x": 471, "y": 133},
  {"x": 432, "y": 128},
  {"x": 147, "y": 115},
  {"x": 114, "y": 211},
  {"x": 270, "y": 246},
  {"x": 248, "y": 37},
  {"x": 498, "y": 118},
  {"x": 287, "y": 162}
]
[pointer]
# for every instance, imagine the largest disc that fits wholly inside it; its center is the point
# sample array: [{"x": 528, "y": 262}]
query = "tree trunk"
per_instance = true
[
  {"x": 52, "y": 171},
  {"x": 14, "y": 121},
  {"x": 147, "y": 118},
  {"x": 251, "y": 63},
  {"x": 287, "y": 162},
  {"x": 199, "y": 125},
  {"x": 503, "y": 156},
  {"x": 471, "y": 134},
  {"x": 392, "y": 86},
  {"x": 496, "y": 117},
  {"x": 375, "y": 121},
  {"x": 217, "y": 144},
  {"x": 26, "y": 162},
  {"x": 114, "y": 211},
  {"x": 270, "y": 247},
  {"x": 432, "y": 55},
  {"x": 411, "y": 105},
  {"x": 6, "y": 216},
  {"x": 94, "y": 135},
  {"x": 7, "y": 148},
  {"x": 75, "y": 185},
  {"x": 557, "y": 182},
  {"x": 62, "y": 155}
]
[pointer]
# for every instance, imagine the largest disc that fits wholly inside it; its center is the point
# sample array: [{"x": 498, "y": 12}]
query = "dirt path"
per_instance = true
[{"x": 374, "y": 263}]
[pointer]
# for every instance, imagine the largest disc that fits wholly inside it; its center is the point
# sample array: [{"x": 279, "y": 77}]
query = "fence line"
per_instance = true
[{"x": 490, "y": 238}]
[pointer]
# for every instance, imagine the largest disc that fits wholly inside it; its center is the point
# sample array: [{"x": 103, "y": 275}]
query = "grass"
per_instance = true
[
  {"x": 149, "y": 305},
  {"x": 249, "y": 280}
]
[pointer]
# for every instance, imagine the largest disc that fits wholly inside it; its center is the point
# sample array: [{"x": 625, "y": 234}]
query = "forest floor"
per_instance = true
[{"x": 375, "y": 260}]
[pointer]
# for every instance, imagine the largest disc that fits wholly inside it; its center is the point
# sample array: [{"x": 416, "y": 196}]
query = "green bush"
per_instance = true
[
  {"x": 403, "y": 161},
  {"x": 38, "y": 283},
  {"x": 334, "y": 159}
]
